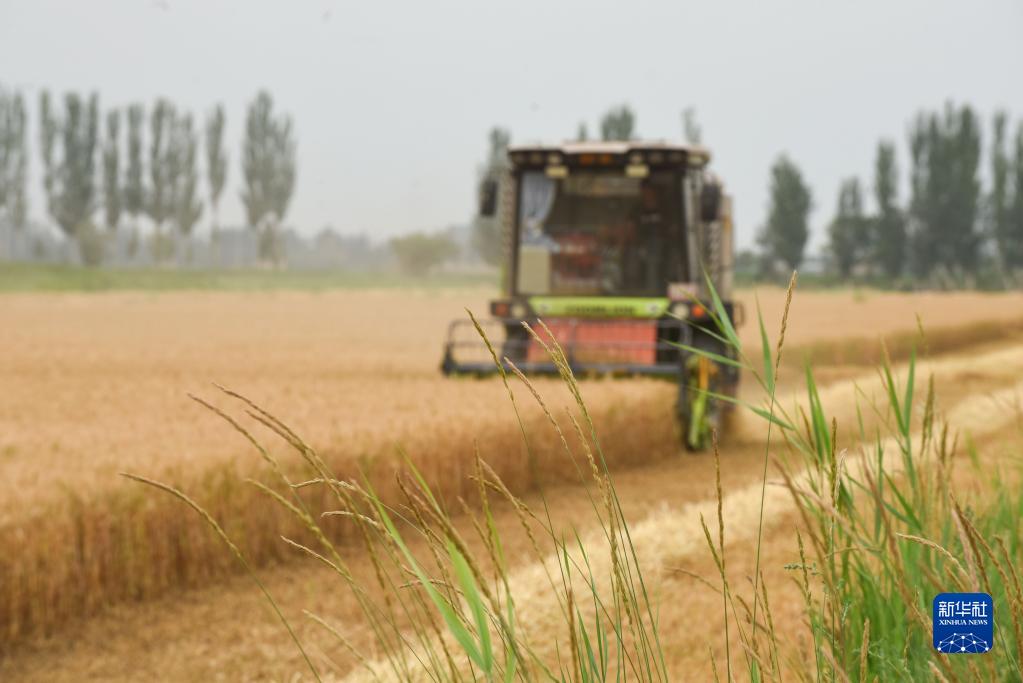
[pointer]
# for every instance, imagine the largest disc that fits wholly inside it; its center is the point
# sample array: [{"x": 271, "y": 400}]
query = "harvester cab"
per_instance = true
[{"x": 612, "y": 245}]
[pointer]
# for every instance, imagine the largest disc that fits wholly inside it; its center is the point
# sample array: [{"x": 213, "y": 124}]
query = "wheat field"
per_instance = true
[
  {"x": 95, "y": 384},
  {"x": 239, "y": 638}
]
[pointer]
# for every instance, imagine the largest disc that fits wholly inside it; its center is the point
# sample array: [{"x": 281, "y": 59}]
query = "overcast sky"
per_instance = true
[{"x": 392, "y": 100}]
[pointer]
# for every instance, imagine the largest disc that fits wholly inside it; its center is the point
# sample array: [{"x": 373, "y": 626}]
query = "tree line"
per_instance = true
[
  {"x": 106, "y": 171},
  {"x": 948, "y": 231}
]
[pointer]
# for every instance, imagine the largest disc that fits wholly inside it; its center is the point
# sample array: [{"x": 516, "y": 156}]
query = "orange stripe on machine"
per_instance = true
[{"x": 600, "y": 341}]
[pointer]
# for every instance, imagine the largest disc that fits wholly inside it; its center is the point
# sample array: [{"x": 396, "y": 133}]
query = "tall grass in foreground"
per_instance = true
[{"x": 881, "y": 533}]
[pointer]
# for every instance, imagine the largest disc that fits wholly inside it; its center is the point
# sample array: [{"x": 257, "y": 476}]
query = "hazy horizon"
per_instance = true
[{"x": 392, "y": 102}]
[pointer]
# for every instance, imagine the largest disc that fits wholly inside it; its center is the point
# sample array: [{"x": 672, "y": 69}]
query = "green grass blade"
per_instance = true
[
  {"x": 723, "y": 320},
  {"x": 710, "y": 332},
  {"x": 893, "y": 398},
  {"x": 593, "y": 672},
  {"x": 765, "y": 346},
  {"x": 908, "y": 401},
  {"x": 475, "y": 602},
  {"x": 818, "y": 420},
  {"x": 717, "y": 358},
  {"x": 447, "y": 612},
  {"x": 752, "y": 408}
]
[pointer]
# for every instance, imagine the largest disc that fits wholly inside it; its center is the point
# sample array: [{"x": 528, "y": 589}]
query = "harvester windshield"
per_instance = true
[{"x": 599, "y": 233}]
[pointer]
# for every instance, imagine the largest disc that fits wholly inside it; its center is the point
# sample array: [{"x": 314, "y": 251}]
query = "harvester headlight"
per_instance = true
[
  {"x": 680, "y": 310},
  {"x": 557, "y": 171},
  {"x": 519, "y": 311},
  {"x": 637, "y": 171}
]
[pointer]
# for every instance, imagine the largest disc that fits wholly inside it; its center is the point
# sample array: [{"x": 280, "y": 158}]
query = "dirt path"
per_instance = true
[{"x": 226, "y": 631}]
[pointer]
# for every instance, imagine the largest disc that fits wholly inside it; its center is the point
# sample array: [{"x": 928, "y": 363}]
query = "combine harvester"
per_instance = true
[{"x": 611, "y": 244}]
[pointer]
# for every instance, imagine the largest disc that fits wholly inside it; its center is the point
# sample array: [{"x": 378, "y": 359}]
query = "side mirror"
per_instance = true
[
  {"x": 710, "y": 202},
  {"x": 488, "y": 198}
]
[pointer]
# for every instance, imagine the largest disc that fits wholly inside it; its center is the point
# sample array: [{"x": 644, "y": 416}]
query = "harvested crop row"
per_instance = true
[{"x": 129, "y": 544}]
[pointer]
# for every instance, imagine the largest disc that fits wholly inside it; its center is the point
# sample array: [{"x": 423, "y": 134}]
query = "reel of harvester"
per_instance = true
[{"x": 664, "y": 348}]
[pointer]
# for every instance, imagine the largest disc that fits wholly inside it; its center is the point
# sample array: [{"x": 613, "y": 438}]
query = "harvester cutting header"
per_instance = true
[{"x": 611, "y": 244}]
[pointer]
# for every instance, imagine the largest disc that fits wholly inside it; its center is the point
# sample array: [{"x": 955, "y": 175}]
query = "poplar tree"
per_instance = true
[
  {"x": 946, "y": 190},
  {"x": 268, "y": 171},
  {"x": 134, "y": 191},
  {"x": 787, "y": 230},
  {"x": 1014, "y": 258},
  {"x": 888, "y": 240},
  {"x": 187, "y": 209},
  {"x": 999, "y": 200},
  {"x": 111, "y": 171},
  {"x": 13, "y": 159},
  {"x": 68, "y": 146},
  {"x": 848, "y": 229},
  {"x": 216, "y": 160},
  {"x": 162, "y": 171},
  {"x": 618, "y": 123}
]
